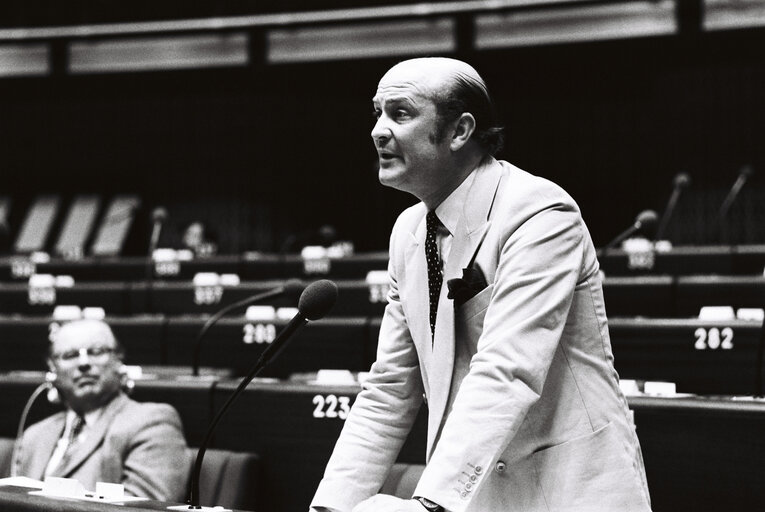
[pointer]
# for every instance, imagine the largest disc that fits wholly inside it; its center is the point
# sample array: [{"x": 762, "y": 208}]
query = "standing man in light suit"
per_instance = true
[{"x": 495, "y": 318}]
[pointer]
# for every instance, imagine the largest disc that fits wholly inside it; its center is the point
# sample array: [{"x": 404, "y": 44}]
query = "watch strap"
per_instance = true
[{"x": 429, "y": 505}]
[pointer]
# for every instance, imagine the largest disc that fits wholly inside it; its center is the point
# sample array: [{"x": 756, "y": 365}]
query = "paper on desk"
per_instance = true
[
  {"x": 22, "y": 481},
  {"x": 88, "y": 496}
]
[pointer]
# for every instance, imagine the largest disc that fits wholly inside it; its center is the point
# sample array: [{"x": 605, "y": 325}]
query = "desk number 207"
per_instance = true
[
  {"x": 331, "y": 406},
  {"x": 713, "y": 338}
]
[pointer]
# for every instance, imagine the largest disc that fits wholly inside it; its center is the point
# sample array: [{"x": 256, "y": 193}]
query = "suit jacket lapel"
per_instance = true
[
  {"x": 95, "y": 437},
  {"x": 40, "y": 453},
  {"x": 470, "y": 232}
]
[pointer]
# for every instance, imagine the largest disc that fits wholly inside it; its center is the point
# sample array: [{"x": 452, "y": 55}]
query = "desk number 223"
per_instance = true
[{"x": 331, "y": 406}]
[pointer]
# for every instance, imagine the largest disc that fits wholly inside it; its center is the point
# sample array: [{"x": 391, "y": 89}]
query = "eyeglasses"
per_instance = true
[{"x": 95, "y": 354}]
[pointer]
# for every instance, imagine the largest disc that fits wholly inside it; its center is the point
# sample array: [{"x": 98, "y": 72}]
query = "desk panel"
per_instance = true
[
  {"x": 355, "y": 266},
  {"x": 699, "y": 356},
  {"x": 294, "y": 427},
  {"x": 113, "y": 297},
  {"x": 693, "y": 292},
  {"x": 681, "y": 260},
  {"x": 249, "y": 266},
  {"x": 24, "y": 340},
  {"x": 643, "y": 295},
  {"x": 336, "y": 343},
  {"x": 176, "y": 298},
  {"x": 702, "y": 454}
]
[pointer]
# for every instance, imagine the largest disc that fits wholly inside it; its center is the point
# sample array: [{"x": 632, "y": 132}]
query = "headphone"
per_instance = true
[
  {"x": 52, "y": 393},
  {"x": 127, "y": 384}
]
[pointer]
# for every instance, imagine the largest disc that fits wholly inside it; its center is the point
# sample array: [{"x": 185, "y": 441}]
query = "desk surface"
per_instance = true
[
  {"x": 18, "y": 499},
  {"x": 680, "y": 260},
  {"x": 701, "y": 453}
]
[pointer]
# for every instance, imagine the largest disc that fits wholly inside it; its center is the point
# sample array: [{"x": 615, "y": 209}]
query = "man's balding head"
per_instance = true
[
  {"x": 455, "y": 87},
  {"x": 86, "y": 360}
]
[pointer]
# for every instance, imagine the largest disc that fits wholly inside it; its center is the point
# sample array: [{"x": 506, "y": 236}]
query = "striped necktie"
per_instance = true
[{"x": 71, "y": 440}]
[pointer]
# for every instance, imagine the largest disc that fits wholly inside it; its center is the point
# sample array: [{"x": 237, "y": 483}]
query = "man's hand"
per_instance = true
[{"x": 385, "y": 503}]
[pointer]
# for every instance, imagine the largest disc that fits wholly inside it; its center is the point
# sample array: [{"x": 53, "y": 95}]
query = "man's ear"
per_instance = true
[{"x": 463, "y": 130}]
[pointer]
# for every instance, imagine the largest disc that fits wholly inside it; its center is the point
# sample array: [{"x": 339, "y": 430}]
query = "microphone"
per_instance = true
[
  {"x": 16, "y": 453},
  {"x": 681, "y": 181},
  {"x": 158, "y": 217},
  {"x": 645, "y": 221},
  {"x": 291, "y": 288},
  {"x": 315, "y": 302},
  {"x": 743, "y": 175}
]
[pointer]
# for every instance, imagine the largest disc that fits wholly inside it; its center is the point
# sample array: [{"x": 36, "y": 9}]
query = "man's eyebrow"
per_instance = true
[{"x": 393, "y": 99}]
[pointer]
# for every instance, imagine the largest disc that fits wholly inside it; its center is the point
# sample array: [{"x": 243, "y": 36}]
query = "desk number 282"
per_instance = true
[
  {"x": 713, "y": 338},
  {"x": 331, "y": 406}
]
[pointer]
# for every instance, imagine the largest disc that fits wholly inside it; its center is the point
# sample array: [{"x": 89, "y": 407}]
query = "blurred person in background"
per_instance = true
[
  {"x": 199, "y": 239},
  {"x": 103, "y": 435}
]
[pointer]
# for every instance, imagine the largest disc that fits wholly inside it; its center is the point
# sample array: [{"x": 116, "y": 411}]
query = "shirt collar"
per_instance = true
[
  {"x": 91, "y": 417},
  {"x": 450, "y": 209}
]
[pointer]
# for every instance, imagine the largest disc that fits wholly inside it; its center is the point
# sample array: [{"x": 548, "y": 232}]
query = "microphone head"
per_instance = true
[
  {"x": 317, "y": 299},
  {"x": 646, "y": 220},
  {"x": 292, "y": 289},
  {"x": 158, "y": 214},
  {"x": 327, "y": 234},
  {"x": 682, "y": 180},
  {"x": 746, "y": 171}
]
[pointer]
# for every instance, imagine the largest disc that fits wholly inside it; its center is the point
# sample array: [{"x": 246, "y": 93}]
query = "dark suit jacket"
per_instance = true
[{"x": 139, "y": 445}]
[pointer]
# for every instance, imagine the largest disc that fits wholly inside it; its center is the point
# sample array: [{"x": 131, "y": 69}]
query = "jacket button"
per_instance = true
[
  {"x": 478, "y": 470},
  {"x": 473, "y": 478},
  {"x": 500, "y": 467}
]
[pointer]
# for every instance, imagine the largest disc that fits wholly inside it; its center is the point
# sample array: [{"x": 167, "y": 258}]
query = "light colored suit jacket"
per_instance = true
[
  {"x": 139, "y": 445},
  {"x": 525, "y": 411}
]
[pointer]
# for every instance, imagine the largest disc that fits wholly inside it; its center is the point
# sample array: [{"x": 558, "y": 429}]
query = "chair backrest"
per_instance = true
[
  {"x": 6, "y": 451},
  {"x": 77, "y": 226},
  {"x": 37, "y": 224},
  {"x": 229, "y": 479},
  {"x": 115, "y": 225}
]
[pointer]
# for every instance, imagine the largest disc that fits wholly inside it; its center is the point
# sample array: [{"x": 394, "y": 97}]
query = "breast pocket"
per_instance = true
[
  {"x": 468, "y": 318},
  {"x": 475, "y": 305}
]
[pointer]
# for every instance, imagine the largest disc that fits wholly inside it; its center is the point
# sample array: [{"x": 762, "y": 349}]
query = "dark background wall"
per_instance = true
[{"x": 272, "y": 150}]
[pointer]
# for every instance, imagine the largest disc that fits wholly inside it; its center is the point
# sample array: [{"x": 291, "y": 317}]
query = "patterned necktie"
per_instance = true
[{"x": 435, "y": 277}]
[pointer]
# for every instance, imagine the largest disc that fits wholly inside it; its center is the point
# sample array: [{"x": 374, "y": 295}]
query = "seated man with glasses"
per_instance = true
[{"x": 102, "y": 435}]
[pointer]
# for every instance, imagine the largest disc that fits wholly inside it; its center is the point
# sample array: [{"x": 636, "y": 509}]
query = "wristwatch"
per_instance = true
[{"x": 429, "y": 505}]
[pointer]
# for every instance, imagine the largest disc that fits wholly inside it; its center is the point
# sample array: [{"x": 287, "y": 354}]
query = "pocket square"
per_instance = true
[{"x": 464, "y": 288}]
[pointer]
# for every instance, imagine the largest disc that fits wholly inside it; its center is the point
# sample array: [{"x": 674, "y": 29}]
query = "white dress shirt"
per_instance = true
[{"x": 58, "y": 453}]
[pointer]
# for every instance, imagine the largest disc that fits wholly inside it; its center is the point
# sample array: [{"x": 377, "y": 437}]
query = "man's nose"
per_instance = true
[
  {"x": 380, "y": 131},
  {"x": 84, "y": 358}
]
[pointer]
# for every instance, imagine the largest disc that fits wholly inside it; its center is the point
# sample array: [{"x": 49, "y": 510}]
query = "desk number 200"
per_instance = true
[
  {"x": 331, "y": 406},
  {"x": 713, "y": 338}
]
